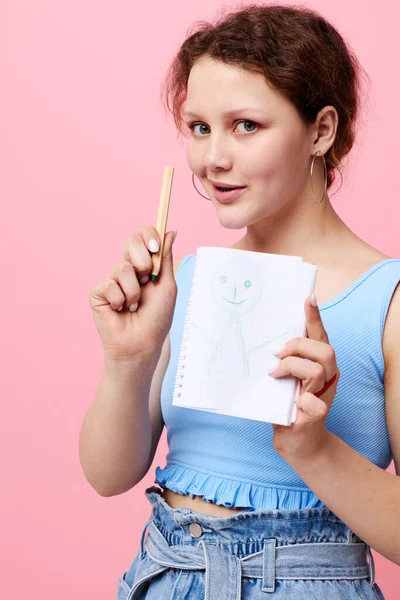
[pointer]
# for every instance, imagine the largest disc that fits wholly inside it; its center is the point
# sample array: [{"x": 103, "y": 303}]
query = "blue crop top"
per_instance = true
[{"x": 232, "y": 461}]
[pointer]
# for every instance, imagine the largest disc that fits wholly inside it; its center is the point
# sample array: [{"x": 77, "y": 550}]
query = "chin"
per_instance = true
[
  {"x": 229, "y": 222},
  {"x": 230, "y": 218}
]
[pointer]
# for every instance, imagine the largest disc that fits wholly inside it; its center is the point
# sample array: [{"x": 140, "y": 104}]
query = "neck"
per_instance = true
[{"x": 312, "y": 232}]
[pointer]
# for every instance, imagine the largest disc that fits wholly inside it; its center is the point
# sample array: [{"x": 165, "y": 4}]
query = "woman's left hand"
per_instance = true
[{"x": 304, "y": 438}]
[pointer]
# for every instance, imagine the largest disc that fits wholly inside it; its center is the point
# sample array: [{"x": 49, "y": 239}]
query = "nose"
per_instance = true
[{"x": 217, "y": 154}]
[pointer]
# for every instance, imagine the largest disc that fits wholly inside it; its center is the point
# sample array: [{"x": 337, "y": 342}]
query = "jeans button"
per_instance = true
[{"x": 195, "y": 530}]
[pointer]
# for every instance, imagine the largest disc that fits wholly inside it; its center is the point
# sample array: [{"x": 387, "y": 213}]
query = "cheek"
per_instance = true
[
  {"x": 296, "y": 150},
  {"x": 265, "y": 158},
  {"x": 281, "y": 160},
  {"x": 263, "y": 166},
  {"x": 193, "y": 158}
]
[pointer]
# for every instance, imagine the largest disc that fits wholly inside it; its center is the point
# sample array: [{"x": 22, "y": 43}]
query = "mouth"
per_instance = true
[
  {"x": 226, "y": 187},
  {"x": 226, "y": 195},
  {"x": 236, "y": 303}
]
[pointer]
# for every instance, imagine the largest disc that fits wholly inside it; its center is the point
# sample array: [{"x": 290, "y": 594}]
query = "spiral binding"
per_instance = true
[{"x": 177, "y": 393}]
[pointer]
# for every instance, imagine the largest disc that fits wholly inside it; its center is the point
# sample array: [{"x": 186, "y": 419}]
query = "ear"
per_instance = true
[{"x": 325, "y": 128}]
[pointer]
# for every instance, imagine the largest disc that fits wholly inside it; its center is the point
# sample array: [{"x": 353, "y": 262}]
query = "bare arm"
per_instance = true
[{"x": 123, "y": 425}]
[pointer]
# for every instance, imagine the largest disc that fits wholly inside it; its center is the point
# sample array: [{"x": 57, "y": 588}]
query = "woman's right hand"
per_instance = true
[{"x": 132, "y": 314}]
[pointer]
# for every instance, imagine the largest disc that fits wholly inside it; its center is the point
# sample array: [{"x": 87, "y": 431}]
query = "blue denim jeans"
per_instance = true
[{"x": 251, "y": 555}]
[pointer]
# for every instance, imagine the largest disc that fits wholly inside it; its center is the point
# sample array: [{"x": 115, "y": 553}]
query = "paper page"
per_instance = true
[{"x": 245, "y": 305}]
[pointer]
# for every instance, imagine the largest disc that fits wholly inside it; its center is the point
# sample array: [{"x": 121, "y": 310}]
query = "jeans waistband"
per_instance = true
[{"x": 224, "y": 570}]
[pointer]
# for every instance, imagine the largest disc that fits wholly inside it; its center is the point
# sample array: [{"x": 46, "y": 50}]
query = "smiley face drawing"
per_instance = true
[
  {"x": 236, "y": 290},
  {"x": 230, "y": 288}
]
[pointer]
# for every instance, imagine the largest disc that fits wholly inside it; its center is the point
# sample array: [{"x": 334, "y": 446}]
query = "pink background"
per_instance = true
[{"x": 83, "y": 143}]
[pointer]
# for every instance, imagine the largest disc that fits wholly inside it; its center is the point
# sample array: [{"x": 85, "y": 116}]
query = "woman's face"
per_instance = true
[{"x": 244, "y": 133}]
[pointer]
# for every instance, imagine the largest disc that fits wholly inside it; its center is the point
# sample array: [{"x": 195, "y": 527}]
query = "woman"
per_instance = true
[{"x": 269, "y": 97}]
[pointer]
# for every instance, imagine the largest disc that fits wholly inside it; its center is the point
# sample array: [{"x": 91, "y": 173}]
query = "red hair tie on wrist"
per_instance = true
[{"x": 326, "y": 386}]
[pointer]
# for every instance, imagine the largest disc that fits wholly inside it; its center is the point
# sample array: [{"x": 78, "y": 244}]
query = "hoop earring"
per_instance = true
[
  {"x": 198, "y": 190},
  {"x": 326, "y": 177}
]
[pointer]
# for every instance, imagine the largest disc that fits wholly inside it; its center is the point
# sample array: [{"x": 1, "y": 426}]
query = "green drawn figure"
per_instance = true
[{"x": 235, "y": 295}]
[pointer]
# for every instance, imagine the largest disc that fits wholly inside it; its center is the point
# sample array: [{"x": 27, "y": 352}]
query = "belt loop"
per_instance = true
[
  {"x": 268, "y": 581},
  {"x": 371, "y": 566},
  {"x": 142, "y": 552}
]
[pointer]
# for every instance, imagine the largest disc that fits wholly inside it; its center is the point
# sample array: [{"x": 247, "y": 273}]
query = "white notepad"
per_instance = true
[{"x": 242, "y": 306}]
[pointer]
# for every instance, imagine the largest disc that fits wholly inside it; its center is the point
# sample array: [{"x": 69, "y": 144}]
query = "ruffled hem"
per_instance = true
[{"x": 230, "y": 493}]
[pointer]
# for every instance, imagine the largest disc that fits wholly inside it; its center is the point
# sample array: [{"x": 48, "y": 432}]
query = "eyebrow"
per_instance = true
[{"x": 229, "y": 113}]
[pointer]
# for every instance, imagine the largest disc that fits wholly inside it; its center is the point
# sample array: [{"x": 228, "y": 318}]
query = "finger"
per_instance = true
[
  {"x": 107, "y": 293},
  {"x": 312, "y": 407},
  {"x": 139, "y": 256},
  {"x": 311, "y": 373},
  {"x": 150, "y": 237},
  {"x": 307, "y": 348},
  {"x": 126, "y": 278},
  {"x": 314, "y": 324},
  {"x": 167, "y": 263}
]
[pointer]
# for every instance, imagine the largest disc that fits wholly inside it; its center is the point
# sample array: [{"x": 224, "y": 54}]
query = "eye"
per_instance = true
[
  {"x": 202, "y": 127},
  {"x": 249, "y": 127},
  {"x": 250, "y": 124},
  {"x": 247, "y": 283},
  {"x": 223, "y": 279}
]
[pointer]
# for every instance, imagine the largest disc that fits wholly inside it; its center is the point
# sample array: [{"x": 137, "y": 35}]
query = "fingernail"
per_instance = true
[
  {"x": 153, "y": 246},
  {"x": 272, "y": 370},
  {"x": 133, "y": 307},
  {"x": 144, "y": 280},
  {"x": 175, "y": 234},
  {"x": 313, "y": 300},
  {"x": 120, "y": 308}
]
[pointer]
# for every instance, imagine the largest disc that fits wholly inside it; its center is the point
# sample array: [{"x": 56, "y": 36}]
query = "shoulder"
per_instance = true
[{"x": 365, "y": 257}]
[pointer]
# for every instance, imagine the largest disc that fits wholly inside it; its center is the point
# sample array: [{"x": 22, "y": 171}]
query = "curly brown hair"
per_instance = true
[{"x": 300, "y": 53}]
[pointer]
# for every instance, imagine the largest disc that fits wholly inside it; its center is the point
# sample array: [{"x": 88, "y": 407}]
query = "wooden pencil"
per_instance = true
[{"x": 162, "y": 218}]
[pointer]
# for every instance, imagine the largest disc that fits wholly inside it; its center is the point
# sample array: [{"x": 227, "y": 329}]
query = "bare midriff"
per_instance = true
[{"x": 197, "y": 504}]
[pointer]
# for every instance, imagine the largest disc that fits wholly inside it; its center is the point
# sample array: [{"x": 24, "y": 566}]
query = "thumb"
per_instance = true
[{"x": 167, "y": 265}]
